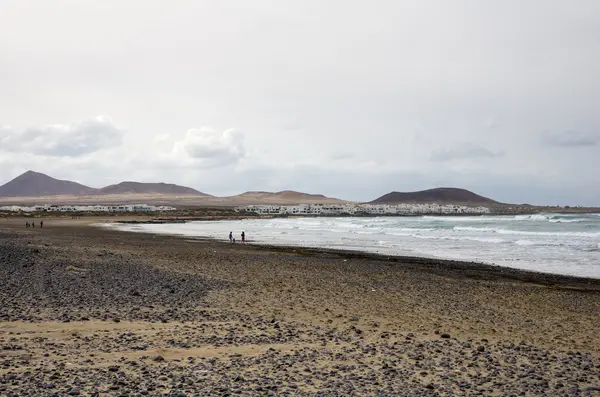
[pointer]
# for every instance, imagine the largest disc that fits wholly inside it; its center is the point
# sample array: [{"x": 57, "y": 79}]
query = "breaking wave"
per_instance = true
[
  {"x": 552, "y": 218},
  {"x": 548, "y": 242},
  {"x": 526, "y": 232}
]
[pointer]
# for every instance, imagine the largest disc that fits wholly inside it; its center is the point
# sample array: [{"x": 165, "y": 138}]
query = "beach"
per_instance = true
[
  {"x": 559, "y": 243},
  {"x": 91, "y": 311}
]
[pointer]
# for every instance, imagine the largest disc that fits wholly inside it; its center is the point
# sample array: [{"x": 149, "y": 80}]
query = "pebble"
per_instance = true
[{"x": 339, "y": 359}]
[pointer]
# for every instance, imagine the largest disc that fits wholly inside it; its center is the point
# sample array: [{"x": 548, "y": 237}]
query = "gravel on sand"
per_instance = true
[{"x": 91, "y": 312}]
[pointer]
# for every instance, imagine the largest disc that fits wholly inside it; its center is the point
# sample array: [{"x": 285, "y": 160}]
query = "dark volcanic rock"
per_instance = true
[{"x": 103, "y": 284}]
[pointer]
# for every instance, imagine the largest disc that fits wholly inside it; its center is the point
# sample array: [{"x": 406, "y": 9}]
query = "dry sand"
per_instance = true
[{"x": 87, "y": 311}]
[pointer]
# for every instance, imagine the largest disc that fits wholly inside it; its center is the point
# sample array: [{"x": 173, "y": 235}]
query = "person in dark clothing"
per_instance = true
[
  {"x": 243, "y": 237},
  {"x": 231, "y": 237},
  {"x": 27, "y": 224},
  {"x": 32, "y": 224},
  {"x": 41, "y": 224}
]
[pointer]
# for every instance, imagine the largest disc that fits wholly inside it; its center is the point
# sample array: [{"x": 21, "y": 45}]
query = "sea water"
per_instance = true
[{"x": 554, "y": 243}]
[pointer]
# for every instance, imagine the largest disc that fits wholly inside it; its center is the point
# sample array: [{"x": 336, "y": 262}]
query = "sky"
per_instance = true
[{"x": 352, "y": 99}]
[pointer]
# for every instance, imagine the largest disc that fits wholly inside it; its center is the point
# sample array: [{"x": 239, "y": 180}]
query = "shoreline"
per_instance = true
[
  {"x": 229, "y": 213},
  {"x": 488, "y": 271},
  {"x": 251, "y": 215}
]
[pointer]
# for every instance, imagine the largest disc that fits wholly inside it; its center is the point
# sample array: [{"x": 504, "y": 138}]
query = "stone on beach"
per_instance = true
[{"x": 162, "y": 316}]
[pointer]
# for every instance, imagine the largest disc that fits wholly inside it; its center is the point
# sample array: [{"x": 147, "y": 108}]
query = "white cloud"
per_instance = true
[
  {"x": 343, "y": 155},
  {"x": 466, "y": 151},
  {"x": 69, "y": 140},
  {"x": 209, "y": 148}
]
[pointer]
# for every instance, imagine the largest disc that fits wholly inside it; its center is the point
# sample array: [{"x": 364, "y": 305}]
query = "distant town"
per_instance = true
[
  {"x": 363, "y": 209},
  {"x": 301, "y": 209},
  {"x": 134, "y": 208},
  {"x": 351, "y": 209}
]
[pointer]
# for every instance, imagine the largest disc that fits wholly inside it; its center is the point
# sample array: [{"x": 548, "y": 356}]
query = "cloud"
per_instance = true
[
  {"x": 63, "y": 140},
  {"x": 343, "y": 155},
  {"x": 209, "y": 148},
  {"x": 467, "y": 151},
  {"x": 571, "y": 138}
]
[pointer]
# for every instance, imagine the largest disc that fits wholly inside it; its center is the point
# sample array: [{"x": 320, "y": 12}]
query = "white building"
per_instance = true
[
  {"x": 363, "y": 209},
  {"x": 135, "y": 208}
]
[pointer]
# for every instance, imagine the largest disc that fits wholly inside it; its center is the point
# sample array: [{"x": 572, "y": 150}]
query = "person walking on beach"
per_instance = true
[
  {"x": 243, "y": 237},
  {"x": 32, "y": 223},
  {"x": 26, "y": 224},
  {"x": 41, "y": 224},
  {"x": 231, "y": 237}
]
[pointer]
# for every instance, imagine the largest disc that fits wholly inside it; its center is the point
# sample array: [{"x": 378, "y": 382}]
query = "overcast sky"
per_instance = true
[{"x": 351, "y": 99}]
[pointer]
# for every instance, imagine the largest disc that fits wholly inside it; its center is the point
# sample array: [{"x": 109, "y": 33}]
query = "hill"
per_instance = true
[
  {"x": 35, "y": 184},
  {"x": 149, "y": 188},
  {"x": 444, "y": 195},
  {"x": 283, "y": 197}
]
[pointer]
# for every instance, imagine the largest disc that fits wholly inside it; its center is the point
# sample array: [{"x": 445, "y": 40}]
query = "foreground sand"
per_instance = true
[{"x": 85, "y": 311}]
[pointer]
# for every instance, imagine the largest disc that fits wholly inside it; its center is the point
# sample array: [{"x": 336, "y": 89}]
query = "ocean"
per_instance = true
[{"x": 566, "y": 244}]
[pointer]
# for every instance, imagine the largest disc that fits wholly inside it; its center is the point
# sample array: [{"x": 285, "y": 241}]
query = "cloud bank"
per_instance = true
[
  {"x": 70, "y": 140},
  {"x": 467, "y": 151},
  {"x": 572, "y": 138}
]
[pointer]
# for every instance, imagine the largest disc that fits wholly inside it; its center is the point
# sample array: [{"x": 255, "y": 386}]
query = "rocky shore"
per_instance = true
[{"x": 92, "y": 312}]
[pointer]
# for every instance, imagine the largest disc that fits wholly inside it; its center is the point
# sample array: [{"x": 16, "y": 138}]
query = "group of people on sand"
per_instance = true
[
  {"x": 232, "y": 240},
  {"x": 32, "y": 224}
]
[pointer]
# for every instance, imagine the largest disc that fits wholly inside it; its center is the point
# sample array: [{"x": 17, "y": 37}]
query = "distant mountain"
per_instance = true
[
  {"x": 35, "y": 184},
  {"x": 443, "y": 195},
  {"x": 149, "y": 188},
  {"x": 31, "y": 184},
  {"x": 285, "y": 194},
  {"x": 284, "y": 197}
]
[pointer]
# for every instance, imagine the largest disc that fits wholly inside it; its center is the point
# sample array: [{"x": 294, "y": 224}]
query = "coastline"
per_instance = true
[
  {"x": 468, "y": 267},
  {"x": 209, "y": 311},
  {"x": 199, "y": 213}
]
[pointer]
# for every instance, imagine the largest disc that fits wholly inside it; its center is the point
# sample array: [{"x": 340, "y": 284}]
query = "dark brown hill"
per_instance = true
[
  {"x": 443, "y": 195},
  {"x": 35, "y": 184},
  {"x": 149, "y": 188}
]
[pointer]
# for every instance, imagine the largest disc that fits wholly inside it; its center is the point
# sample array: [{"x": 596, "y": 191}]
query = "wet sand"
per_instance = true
[{"x": 88, "y": 311}]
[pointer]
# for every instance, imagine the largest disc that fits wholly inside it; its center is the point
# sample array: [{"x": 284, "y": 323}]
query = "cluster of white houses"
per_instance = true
[
  {"x": 87, "y": 208},
  {"x": 363, "y": 209}
]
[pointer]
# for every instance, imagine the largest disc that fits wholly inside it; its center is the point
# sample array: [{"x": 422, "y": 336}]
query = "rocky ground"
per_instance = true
[{"x": 85, "y": 311}]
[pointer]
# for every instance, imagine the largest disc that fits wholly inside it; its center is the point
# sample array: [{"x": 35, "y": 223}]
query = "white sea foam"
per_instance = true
[
  {"x": 475, "y": 229},
  {"x": 524, "y": 242},
  {"x": 574, "y": 220},
  {"x": 535, "y": 217},
  {"x": 527, "y": 232},
  {"x": 552, "y": 218},
  {"x": 461, "y": 219}
]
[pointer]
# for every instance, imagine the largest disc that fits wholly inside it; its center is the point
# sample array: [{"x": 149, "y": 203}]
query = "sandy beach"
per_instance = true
[{"x": 94, "y": 312}]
